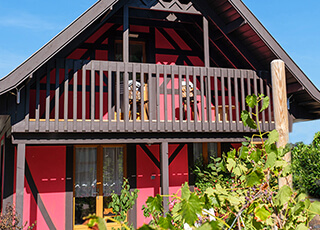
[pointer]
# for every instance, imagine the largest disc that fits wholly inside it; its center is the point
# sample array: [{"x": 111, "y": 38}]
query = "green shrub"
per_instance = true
[{"x": 306, "y": 166}]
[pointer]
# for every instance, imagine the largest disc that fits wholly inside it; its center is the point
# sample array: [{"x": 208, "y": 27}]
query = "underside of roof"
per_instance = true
[{"x": 232, "y": 24}]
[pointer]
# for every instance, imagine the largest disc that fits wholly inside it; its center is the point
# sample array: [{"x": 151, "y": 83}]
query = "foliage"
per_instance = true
[
  {"x": 252, "y": 201},
  {"x": 10, "y": 220},
  {"x": 120, "y": 205},
  {"x": 206, "y": 175},
  {"x": 306, "y": 166}
]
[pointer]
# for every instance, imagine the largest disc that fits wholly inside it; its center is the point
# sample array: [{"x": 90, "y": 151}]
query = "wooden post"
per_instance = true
[
  {"x": 279, "y": 93},
  {"x": 21, "y": 156},
  {"x": 165, "y": 174},
  {"x": 206, "y": 42}
]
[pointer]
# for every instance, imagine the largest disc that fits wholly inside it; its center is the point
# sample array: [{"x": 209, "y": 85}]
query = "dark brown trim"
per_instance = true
[
  {"x": 117, "y": 138},
  {"x": 69, "y": 188},
  {"x": 164, "y": 156},
  {"x": 274, "y": 46},
  {"x": 20, "y": 174}
]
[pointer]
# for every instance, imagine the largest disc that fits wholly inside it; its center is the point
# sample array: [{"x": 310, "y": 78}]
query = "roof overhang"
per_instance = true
[{"x": 302, "y": 92}]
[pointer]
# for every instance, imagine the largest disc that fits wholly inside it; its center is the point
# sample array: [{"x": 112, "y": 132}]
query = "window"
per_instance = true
[{"x": 98, "y": 171}]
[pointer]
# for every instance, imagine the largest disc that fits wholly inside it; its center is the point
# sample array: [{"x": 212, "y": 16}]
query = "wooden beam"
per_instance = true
[
  {"x": 280, "y": 110},
  {"x": 165, "y": 173},
  {"x": 125, "y": 34},
  {"x": 206, "y": 54},
  {"x": 229, "y": 28},
  {"x": 21, "y": 156}
]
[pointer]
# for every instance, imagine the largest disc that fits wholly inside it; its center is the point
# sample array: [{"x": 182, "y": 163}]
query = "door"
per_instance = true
[{"x": 98, "y": 171}]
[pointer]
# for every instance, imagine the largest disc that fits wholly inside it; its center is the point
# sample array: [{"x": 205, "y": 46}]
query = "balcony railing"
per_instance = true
[{"x": 100, "y": 96}]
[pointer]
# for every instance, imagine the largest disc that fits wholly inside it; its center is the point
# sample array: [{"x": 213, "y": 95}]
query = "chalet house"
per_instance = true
[{"x": 141, "y": 89}]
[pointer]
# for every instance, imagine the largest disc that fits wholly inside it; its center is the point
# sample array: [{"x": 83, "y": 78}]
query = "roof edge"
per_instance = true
[
  {"x": 276, "y": 48},
  {"x": 51, "y": 48}
]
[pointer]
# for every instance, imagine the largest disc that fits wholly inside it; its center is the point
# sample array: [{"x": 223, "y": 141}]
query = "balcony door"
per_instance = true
[{"x": 98, "y": 171}]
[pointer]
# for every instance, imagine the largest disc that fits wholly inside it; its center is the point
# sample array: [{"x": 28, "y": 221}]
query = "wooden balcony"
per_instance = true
[{"x": 100, "y": 96}]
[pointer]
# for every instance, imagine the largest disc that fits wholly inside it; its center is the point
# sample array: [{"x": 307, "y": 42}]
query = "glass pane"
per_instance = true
[
  {"x": 83, "y": 207},
  {"x": 85, "y": 183},
  {"x": 197, "y": 154},
  {"x": 112, "y": 170},
  {"x": 212, "y": 150}
]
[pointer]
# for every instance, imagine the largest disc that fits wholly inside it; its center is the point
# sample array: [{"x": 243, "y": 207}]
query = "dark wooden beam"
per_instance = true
[
  {"x": 229, "y": 28},
  {"x": 310, "y": 102},
  {"x": 220, "y": 25}
]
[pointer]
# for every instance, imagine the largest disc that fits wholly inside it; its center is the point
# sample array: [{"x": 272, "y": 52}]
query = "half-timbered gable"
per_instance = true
[{"x": 138, "y": 89}]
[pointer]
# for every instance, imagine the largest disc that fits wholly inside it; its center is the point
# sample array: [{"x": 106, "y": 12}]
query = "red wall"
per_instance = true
[
  {"x": 149, "y": 177},
  {"x": 44, "y": 194}
]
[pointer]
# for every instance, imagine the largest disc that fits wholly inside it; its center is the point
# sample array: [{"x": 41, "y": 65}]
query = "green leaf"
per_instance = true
[
  {"x": 146, "y": 227},
  {"x": 247, "y": 120},
  {"x": 237, "y": 171},
  {"x": 283, "y": 195},
  {"x": 251, "y": 100},
  {"x": 252, "y": 207},
  {"x": 243, "y": 152},
  {"x": 102, "y": 224},
  {"x": 254, "y": 178},
  {"x": 265, "y": 103},
  {"x": 205, "y": 226},
  {"x": 190, "y": 208},
  {"x": 302, "y": 226},
  {"x": 271, "y": 160},
  {"x": 256, "y": 155},
  {"x": 261, "y": 213},
  {"x": 315, "y": 207},
  {"x": 185, "y": 191},
  {"x": 155, "y": 203},
  {"x": 230, "y": 164},
  {"x": 166, "y": 222},
  {"x": 273, "y": 137}
]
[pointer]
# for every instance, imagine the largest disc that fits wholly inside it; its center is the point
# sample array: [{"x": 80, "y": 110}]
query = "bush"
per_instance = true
[
  {"x": 306, "y": 167},
  {"x": 252, "y": 200}
]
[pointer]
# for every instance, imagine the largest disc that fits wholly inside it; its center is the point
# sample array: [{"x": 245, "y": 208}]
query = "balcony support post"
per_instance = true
[
  {"x": 165, "y": 174},
  {"x": 206, "y": 51},
  {"x": 125, "y": 33},
  {"x": 281, "y": 110},
  {"x": 20, "y": 171}
]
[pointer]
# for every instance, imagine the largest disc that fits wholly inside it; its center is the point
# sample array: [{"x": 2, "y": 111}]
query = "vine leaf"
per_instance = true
[
  {"x": 302, "y": 226},
  {"x": 146, "y": 227},
  {"x": 283, "y": 195},
  {"x": 254, "y": 178},
  {"x": 231, "y": 164},
  {"x": 272, "y": 158},
  {"x": 265, "y": 103},
  {"x": 185, "y": 191},
  {"x": 190, "y": 208},
  {"x": 273, "y": 137},
  {"x": 251, "y": 100},
  {"x": 256, "y": 155},
  {"x": 247, "y": 120},
  {"x": 166, "y": 222},
  {"x": 261, "y": 213},
  {"x": 155, "y": 203}
]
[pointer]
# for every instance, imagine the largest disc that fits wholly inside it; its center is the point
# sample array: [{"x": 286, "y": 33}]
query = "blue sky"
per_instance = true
[{"x": 25, "y": 26}]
